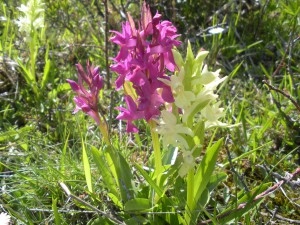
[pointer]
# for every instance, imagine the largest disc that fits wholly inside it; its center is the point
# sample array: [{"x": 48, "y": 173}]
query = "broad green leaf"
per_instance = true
[
  {"x": 26, "y": 73},
  {"x": 178, "y": 58},
  {"x": 151, "y": 182},
  {"x": 170, "y": 155},
  {"x": 115, "y": 200},
  {"x": 137, "y": 220},
  {"x": 198, "y": 63},
  {"x": 86, "y": 167},
  {"x": 199, "y": 131},
  {"x": 46, "y": 74},
  {"x": 137, "y": 204},
  {"x": 205, "y": 169},
  {"x": 63, "y": 87},
  {"x": 204, "y": 199},
  {"x": 123, "y": 172},
  {"x": 188, "y": 67},
  {"x": 215, "y": 179},
  {"x": 104, "y": 170}
]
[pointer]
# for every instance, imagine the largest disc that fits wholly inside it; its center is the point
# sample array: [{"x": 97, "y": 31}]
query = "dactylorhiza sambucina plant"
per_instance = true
[
  {"x": 111, "y": 164},
  {"x": 33, "y": 18},
  {"x": 178, "y": 107},
  {"x": 32, "y": 26},
  {"x": 188, "y": 98},
  {"x": 145, "y": 55},
  {"x": 195, "y": 108},
  {"x": 87, "y": 99}
]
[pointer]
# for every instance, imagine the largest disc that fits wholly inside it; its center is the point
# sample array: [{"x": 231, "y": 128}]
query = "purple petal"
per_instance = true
[
  {"x": 82, "y": 74},
  {"x": 73, "y": 85},
  {"x": 130, "y": 127}
]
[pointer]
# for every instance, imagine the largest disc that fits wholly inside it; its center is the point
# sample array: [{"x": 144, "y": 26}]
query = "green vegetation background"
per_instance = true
[{"x": 40, "y": 138}]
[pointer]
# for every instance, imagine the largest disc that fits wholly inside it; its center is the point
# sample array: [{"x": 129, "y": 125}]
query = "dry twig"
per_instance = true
[
  {"x": 257, "y": 198},
  {"x": 271, "y": 87}
]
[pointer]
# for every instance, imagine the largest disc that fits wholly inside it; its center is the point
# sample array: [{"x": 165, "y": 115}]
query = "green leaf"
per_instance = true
[
  {"x": 55, "y": 211},
  {"x": 199, "y": 131},
  {"x": 205, "y": 169},
  {"x": 188, "y": 67},
  {"x": 151, "y": 182},
  {"x": 46, "y": 74},
  {"x": 62, "y": 160},
  {"x": 26, "y": 73},
  {"x": 100, "y": 221},
  {"x": 86, "y": 167},
  {"x": 104, "y": 170},
  {"x": 204, "y": 199},
  {"x": 137, "y": 220},
  {"x": 137, "y": 204},
  {"x": 122, "y": 172},
  {"x": 215, "y": 179},
  {"x": 116, "y": 200},
  {"x": 178, "y": 58},
  {"x": 45, "y": 77}
]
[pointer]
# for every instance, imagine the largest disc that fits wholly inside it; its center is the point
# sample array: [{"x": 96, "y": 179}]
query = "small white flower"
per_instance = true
[
  {"x": 183, "y": 99},
  {"x": 4, "y": 219},
  {"x": 171, "y": 130},
  {"x": 212, "y": 113},
  {"x": 33, "y": 16},
  {"x": 188, "y": 162}
]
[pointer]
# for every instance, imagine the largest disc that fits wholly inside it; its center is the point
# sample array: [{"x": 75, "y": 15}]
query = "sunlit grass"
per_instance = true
[{"x": 40, "y": 139}]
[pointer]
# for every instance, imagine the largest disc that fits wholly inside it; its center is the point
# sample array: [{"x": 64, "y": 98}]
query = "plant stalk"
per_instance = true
[
  {"x": 190, "y": 196},
  {"x": 156, "y": 148}
]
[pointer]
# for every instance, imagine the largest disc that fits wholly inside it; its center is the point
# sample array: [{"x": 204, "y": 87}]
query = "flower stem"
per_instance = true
[
  {"x": 156, "y": 148},
  {"x": 190, "y": 196},
  {"x": 104, "y": 131}
]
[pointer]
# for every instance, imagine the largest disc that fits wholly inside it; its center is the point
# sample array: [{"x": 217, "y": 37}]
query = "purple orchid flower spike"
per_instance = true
[
  {"x": 144, "y": 58},
  {"x": 130, "y": 114},
  {"x": 87, "y": 99}
]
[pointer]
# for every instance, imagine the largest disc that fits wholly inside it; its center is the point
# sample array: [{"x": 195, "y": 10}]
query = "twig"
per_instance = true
[
  {"x": 62, "y": 211},
  {"x": 257, "y": 198},
  {"x": 271, "y": 87},
  {"x": 279, "y": 217},
  {"x": 293, "y": 184},
  {"x": 70, "y": 195}
]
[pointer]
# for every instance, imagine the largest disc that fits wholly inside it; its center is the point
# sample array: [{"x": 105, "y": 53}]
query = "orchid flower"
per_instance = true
[
  {"x": 87, "y": 100},
  {"x": 144, "y": 57},
  {"x": 171, "y": 131},
  {"x": 33, "y": 17}
]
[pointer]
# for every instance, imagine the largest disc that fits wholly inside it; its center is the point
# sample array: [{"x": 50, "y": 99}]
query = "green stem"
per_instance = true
[
  {"x": 190, "y": 196},
  {"x": 156, "y": 148},
  {"x": 33, "y": 52},
  {"x": 104, "y": 131}
]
